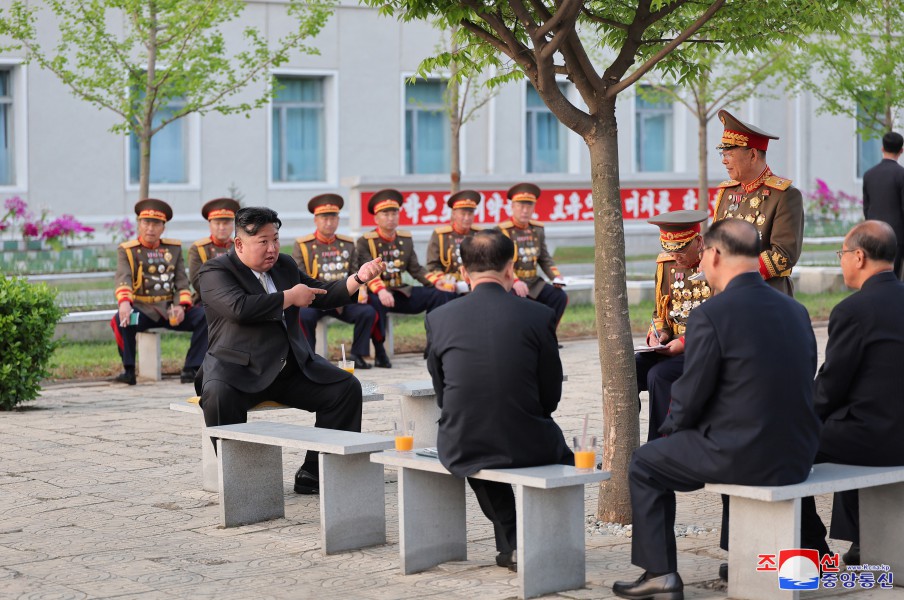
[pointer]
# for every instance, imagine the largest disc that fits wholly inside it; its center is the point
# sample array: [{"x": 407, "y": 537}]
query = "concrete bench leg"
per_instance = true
[
  {"x": 352, "y": 503},
  {"x": 251, "y": 483},
  {"x": 755, "y": 528},
  {"x": 550, "y": 524},
  {"x": 148, "y": 346},
  {"x": 322, "y": 342},
  {"x": 210, "y": 471},
  {"x": 432, "y": 528},
  {"x": 425, "y": 414},
  {"x": 881, "y": 521}
]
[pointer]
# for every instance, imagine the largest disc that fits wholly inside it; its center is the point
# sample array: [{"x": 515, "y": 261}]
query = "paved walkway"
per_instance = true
[{"x": 100, "y": 497}]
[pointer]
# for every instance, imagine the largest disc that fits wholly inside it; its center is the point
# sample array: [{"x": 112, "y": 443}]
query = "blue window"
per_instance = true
[
  {"x": 869, "y": 147},
  {"x": 426, "y": 128},
  {"x": 299, "y": 140},
  {"x": 7, "y": 148},
  {"x": 653, "y": 139},
  {"x": 169, "y": 147},
  {"x": 546, "y": 147}
]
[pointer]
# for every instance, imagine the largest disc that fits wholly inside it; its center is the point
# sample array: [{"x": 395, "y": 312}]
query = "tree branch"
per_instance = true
[
  {"x": 569, "y": 11},
  {"x": 604, "y": 21}
]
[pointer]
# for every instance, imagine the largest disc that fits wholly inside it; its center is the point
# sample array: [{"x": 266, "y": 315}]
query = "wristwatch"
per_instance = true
[{"x": 358, "y": 279}]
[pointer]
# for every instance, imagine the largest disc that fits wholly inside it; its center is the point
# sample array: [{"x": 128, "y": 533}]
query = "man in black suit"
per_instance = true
[
  {"x": 741, "y": 413},
  {"x": 257, "y": 351},
  {"x": 858, "y": 388},
  {"x": 883, "y": 193},
  {"x": 495, "y": 365}
]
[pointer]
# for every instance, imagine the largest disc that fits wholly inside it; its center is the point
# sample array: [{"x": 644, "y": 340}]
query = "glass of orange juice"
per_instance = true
[
  {"x": 585, "y": 453},
  {"x": 347, "y": 366},
  {"x": 171, "y": 313},
  {"x": 404, "y": 436}
]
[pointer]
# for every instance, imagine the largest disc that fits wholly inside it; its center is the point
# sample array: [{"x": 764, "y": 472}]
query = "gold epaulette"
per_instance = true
[
  {"x": 345, "y": 238},
  {"x": 443, "y": 229},
  {"x": 777, "y": 183},
  {"x": 506, "y": 224},
  {"x": 663, "y": 257},
  {"x": 171, "y": 241},
  {"x": 304, "y": 239},
  {"x": 202, "y": 242},
  {"x": 536, "y": 223},
  {"x": 371, "y": 235},
  {"x": 729, "y": 183},
  {"x": 129, "y": 244},
  {"x": 403, "y": 233},
  {"x": 476, "y": 228}
]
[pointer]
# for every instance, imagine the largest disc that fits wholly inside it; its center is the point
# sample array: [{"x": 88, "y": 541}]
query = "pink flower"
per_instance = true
[
  {"x": 16, "y": 206},
  {"x": 30, "y": 230}
]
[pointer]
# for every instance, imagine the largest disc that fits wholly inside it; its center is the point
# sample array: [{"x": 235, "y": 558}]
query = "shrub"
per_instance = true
[{"x": 28, "y": 316}]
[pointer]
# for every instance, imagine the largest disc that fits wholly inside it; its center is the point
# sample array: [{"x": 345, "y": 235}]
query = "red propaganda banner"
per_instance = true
[{"x": 553, "y": 206}]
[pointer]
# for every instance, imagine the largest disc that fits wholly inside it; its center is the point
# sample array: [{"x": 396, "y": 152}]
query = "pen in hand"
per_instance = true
[{"x": 655, "y": 332}]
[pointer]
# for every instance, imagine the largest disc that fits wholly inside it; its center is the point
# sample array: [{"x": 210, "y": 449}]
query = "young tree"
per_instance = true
[
  {"x": 155, "y": 61},
  {"x": 540, "y": 39}
]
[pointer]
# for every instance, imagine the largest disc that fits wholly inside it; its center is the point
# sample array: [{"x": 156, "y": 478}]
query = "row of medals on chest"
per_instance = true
[
  {"x": 528, "y": 253},
  {"x": 687, "y": 295},
  {"x": 159, "y": 269},
  {"x": 734, "y": 203}
]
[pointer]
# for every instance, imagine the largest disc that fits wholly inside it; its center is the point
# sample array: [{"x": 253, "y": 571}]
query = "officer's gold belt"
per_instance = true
[
  {"x": 154, "y": 299},
  {"x": 525, "y": 273}
]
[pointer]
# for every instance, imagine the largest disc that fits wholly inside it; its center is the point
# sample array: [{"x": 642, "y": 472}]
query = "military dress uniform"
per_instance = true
[
  {"x": 676, "y": 296},
  {"x": 206, "y": 248},
  {"x": 770, "y": 203},
  {"x": 531, "y": 254},
  {"x": 151, "y": 280},
  {"x": 332, "y": 260},
  {"x": 399, "y": 257},
  {"x": 444, "y": 247}
]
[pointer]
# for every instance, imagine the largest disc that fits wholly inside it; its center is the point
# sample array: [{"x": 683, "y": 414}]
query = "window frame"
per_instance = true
[
  {"x": 858, "y": 142},
  {"x": 403, "y": 163},
  {"x": 636, "y": 151},
  {"x": 18, "y": 71}
]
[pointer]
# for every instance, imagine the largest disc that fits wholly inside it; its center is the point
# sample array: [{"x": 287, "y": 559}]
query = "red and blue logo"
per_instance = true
[{"x": 798, "y": 569}]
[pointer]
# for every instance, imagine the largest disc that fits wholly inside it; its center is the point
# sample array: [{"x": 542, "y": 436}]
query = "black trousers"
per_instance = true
[
  {"x": 497, "y": 501},
  {"x": 553, "y": 297},
  {"x": 422, "y": 299},
  {"x": 337, "y": 405},
  {"x": 194, "y": 321},
  {"x": 363, "y": 316},
  {"x": 655, "y": 374}
]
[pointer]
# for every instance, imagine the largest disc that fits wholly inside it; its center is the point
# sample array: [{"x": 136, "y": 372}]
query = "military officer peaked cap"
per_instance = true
[
  {"x": 738, "y": 133},
  {"x": 220, "y": 208},
  {"x": 523, "y": 192},
  {"x": 388, "y": 199},
  {"x": 464, "y": 199},
  {"x": 151, "y": 208},
  {"x": 326, "y": 204},
  {"x": 678, "y": 228}
]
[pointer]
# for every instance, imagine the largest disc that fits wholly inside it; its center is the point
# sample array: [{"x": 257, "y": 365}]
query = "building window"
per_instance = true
[
  {"x": 7, "y": 145},
  {"x": 169, "y": 147},
  {"x": 546, "y": 147},
  {"x": 653, "y": 136},
  {"x": 299, "y": 125},
  {"x": 426, "y": 128},
  {"x": 869, "y": 147}
]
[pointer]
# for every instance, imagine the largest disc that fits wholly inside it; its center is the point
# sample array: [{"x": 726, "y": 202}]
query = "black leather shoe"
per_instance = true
[
  {"x": 508, "y": 560},
  {"x": 661, "y": 587},
  {"x": 852, "y": 556},
  {"x": 187, "y": 375},
  {"x": 127, "y": 377},
  {"x": 382, "y": 361},
  {"x": 305, "y": 483},
  {"x": 360, "y": 363},
  {"x": 723, "y": 571}
]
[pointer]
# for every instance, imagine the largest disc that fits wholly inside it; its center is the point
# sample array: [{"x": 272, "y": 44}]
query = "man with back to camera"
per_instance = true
[
  {"x": 883, "y": 193},
  {"x": 496, "y": 370},
  {"x": 858, "y": 388},
  {"x": 257, "y": 352},
  {"x": 739, "y": 414}
]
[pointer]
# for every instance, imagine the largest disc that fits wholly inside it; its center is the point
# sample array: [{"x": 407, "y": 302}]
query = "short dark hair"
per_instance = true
[
  {"x": 487, "y": 250},
  {"x": 735, "y": 237},
  {"x": 876, "y": 238},
  {"x": 892, "y": 142},
  {"x": 250, "y": 219}
]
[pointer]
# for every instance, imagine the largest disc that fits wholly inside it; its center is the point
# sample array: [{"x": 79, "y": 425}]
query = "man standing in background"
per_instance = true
[{"x": 883, "y": 193}]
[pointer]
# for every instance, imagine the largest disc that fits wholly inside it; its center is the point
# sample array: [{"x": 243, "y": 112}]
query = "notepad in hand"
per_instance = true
[
  {"x": 645, "y": 348},
  {"x": 428, "y": 452}
]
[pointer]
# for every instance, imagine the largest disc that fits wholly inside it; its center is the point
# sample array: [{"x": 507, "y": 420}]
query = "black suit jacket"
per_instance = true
[
  {"x": 859, "y": 394},
  {"x": 883, "y": 195},
  {"x": 742, "y": 412},
  {"x": 250, "y": 333},
  {"x": 495, "y": 365}
]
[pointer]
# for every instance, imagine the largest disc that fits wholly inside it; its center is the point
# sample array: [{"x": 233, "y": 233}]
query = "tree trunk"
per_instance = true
[
  {"x": 702, "y": 167},
  {"x": 144, "y": 163},
  {"x": 455, "y": 129},
  {"x": 147, "y": 117},
  {"x": 616, "y": 346}
]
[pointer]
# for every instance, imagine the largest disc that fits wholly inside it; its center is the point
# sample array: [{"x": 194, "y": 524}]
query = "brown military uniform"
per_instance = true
[
  {"x": 676, "y": 295},
  {"x": 530, "y": 253},
  {"x": 399, "y": 257},
  {"x": 326, "y": 260},
  {"x": 775, "y": 208},
  {"x": 199, "y": 253},
  {"x": 444, "y": 250},
  {"x": 152, "y": 278}
]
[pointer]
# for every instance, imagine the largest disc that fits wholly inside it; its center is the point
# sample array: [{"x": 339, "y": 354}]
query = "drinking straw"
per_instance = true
[
  {"x": 343, "y": 355},
  {"x": 584, "y": 433}
]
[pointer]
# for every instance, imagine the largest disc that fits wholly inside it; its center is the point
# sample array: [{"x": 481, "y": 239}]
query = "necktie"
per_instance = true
[{"x": 263, "y": 280}]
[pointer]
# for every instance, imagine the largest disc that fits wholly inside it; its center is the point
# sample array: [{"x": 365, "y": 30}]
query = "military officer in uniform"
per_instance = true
[
  {"x": 676, "y": 296},
  {"x": 327, "y": 256},
  {"x": 443, "y": 250},
  {"x": 388, "y": 293},
  {"x": 220, "y": 216},
  {"x": 531, "y": 252},
  {"x": 769, "y": 202},
  {"x": 150, "y": 278}
]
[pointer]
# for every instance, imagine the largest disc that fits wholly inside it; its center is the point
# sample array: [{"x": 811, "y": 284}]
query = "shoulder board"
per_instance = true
[
  {"x": 536, "y": 223},
  {"x": 403, "y": 233},
  {"x": 778, "y": 183},
  {"x": 663, "y": 257},
  {"x": 443, "y": 229},
  {"x": 171, "y": 241},
  {"x": 476, "y": 228},
  {"x": 306, "y": 238},
  {"x": 729, "y": 183},
  {"x": 129, "y": 244},
  {"x": 371, "y": 235},
  {"x": 506, "y": 225},
  {"x": 345, "y": 238},
  {"x": 202, "y": 242}
]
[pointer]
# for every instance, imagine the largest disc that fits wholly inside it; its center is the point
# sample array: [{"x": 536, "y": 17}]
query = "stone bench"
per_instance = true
[
  {"x": 550, "y": 521},
  {"x": 352, "y": 490},
  {"x": 322, "y": 337},
  {"x": 209, "y": 473},
  {"x": 766, "y": 519}
]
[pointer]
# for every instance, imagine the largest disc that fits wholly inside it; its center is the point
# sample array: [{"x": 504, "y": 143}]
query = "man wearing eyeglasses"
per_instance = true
[{"x": 768, "y": 202}]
